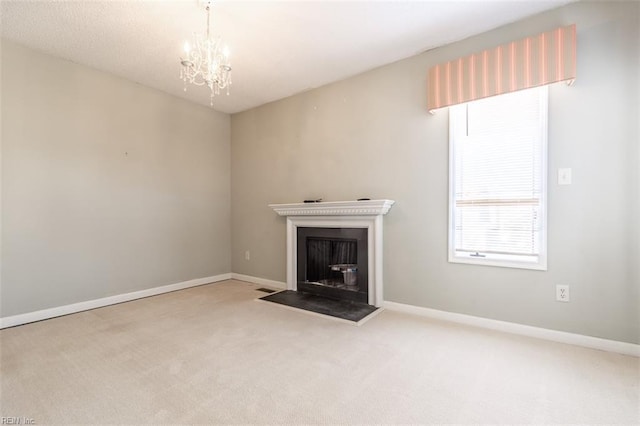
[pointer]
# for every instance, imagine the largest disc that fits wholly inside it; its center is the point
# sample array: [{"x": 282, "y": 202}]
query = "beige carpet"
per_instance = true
[{"x": 213, "y": 354}]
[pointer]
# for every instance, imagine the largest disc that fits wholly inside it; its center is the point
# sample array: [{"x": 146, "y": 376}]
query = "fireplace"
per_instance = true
[
  {"x": 333, "y": 262},
  {"x": 348, "y": 222}
]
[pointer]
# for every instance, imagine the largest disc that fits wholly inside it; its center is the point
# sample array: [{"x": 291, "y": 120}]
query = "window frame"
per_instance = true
[{"x": 490, "y": 259}]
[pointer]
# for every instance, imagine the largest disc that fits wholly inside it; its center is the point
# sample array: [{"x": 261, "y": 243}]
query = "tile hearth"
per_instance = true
[{"x": 345, "y": 310}]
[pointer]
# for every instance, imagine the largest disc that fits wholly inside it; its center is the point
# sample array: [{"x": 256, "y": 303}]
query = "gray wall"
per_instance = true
[
  {"x": 371, "y": 136},
  {"x": 107, "y": 186}
]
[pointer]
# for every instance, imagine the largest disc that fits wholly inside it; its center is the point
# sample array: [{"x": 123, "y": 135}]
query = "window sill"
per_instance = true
[{"x": 537, "y": 264}]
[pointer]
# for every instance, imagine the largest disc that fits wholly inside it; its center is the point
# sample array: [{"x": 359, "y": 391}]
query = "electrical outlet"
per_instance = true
[
  {"x": 562, "y": 293},
  {"x": 247, "y": 255}
]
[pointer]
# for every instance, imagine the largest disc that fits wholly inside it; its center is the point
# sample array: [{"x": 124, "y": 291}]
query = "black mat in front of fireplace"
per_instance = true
[{"x": 343, "y": 309}]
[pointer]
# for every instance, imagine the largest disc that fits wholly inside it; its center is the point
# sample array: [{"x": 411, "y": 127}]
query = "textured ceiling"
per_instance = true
[{"x": 278, "y": 48}]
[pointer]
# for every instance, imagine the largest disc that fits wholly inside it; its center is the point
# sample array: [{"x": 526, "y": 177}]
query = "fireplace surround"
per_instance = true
[{"x": 365, "y": 215}]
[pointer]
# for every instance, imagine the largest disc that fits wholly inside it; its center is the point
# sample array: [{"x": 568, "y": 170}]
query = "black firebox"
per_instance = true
[{"x": 332, "y": 262}]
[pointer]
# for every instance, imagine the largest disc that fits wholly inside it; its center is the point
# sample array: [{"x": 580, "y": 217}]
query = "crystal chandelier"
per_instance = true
[{"x": 206, "y": 62}]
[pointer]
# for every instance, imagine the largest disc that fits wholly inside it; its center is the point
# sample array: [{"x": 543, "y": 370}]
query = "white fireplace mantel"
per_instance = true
[
  {"x": 338, "y": 214},
  {"x": 334, "y": 208}
]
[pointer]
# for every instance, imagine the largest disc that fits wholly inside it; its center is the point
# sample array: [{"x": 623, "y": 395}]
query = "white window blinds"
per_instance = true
[{"x": 497, "y": 182}]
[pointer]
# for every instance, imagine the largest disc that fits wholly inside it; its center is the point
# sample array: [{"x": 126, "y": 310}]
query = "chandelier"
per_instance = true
[{"x": 206, "y": 62}]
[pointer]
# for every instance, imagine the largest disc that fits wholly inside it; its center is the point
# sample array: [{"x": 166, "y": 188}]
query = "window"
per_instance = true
[{"x": 497, "y": 180}]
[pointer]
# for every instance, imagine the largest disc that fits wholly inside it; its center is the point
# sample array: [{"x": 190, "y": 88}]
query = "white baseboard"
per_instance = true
[
  {"x": 508, "y": 327},
  {"x": 105, "y": 301},
  {"x": 277, "y": 285},
  {"x": 524, "y": 330}
]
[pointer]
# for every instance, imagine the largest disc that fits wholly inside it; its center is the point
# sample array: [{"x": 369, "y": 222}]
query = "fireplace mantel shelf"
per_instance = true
[{"x": 335, "y": 208}]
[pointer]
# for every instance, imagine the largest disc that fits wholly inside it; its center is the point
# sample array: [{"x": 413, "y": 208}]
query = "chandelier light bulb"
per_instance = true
[{"x": 187, "y": 47}]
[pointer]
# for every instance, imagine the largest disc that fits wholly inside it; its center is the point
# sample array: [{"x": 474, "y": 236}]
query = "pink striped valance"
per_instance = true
[{"x": 534, "y": 61}]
